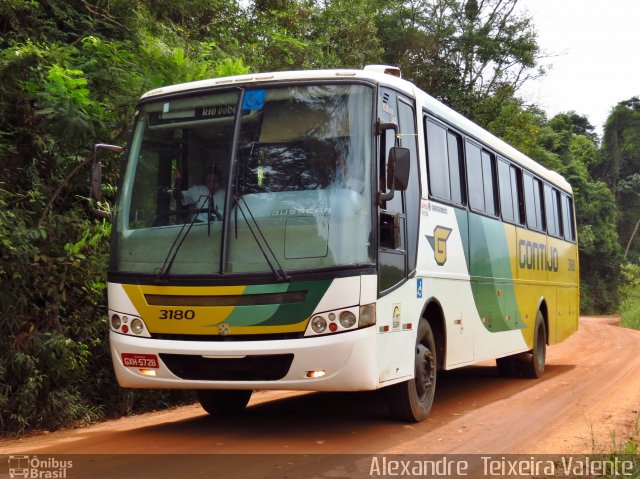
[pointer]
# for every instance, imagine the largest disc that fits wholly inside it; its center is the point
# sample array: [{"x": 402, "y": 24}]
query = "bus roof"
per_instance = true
[{"x": 376, "y": 74}]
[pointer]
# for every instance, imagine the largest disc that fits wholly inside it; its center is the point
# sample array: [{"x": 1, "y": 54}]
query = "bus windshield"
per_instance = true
[{"x": 297, "y": 190}]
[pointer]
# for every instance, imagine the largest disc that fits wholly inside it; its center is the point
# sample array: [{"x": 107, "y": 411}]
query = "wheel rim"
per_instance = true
[{"x": 425, "y": 371}]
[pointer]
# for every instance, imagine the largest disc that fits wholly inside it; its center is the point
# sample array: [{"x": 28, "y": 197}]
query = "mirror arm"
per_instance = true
[
  {"x": 388, "y": 196},
  {"x": 380, "y": 129}
]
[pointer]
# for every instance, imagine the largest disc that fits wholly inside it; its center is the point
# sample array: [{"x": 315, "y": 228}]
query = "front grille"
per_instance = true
[
  {"x": 220, "y": 338},
  {"x": 287, "y": 297},
  {"x": 267, "y": 367}
]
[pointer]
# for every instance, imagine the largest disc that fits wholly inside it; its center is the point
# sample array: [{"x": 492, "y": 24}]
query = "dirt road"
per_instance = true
[{"x": 589, "y": 392}]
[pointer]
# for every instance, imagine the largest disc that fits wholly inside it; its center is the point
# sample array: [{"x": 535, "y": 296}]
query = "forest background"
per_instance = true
[{"x": 71, "y": 72}]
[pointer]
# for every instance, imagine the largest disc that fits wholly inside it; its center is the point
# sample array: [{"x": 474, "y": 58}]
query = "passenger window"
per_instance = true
[
  {"x": 537, "y": 191},
  {"x": 533, "y": 201},
  {"x": 551, "y": 211},
  {"x": 456, "y": 168},
  {"x": 489, "y": 183},
  {"x": 516, "y": 194},
  {"x": 567, "y": 218},
  {"x": 438, "y": 161},
  {"x": 530, "y": 202},
  {"x": 506, "y": 201},
  {"x": 474, "y": 175}
]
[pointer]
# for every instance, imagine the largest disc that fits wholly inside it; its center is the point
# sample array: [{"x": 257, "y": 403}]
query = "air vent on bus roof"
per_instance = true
[{"x": 388, "y": 69}]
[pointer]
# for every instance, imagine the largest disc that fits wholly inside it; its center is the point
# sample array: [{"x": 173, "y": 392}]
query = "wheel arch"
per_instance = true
[
  {"x": 544, "y": 310},
  {"x": 433, "y": 313}
]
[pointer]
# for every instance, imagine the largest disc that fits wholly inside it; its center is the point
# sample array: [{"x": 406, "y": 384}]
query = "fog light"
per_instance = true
[
  {"x": 333, "y": 327},
  {"x": 148, "y": 372},
  {"x": 318, "y": 324},
  {"x": 116, "y": 322},
  {"x": 316, "y": 374},
  {"x": 137, "y": 326},
  {"x": 125, "y": 329},
  {"x": 347, "y": 319}
]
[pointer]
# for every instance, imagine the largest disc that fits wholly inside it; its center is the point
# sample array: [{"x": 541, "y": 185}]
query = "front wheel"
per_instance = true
[
  {"x": 412, "y": 400},
  {"x": 223, "y": 401}
]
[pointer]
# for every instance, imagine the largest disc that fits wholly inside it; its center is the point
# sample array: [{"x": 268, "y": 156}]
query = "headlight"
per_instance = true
[
  {"x": 137, "y": 326},
  {"x": 347, "y": 319},
  {"x": 116, "y": 322},
  {"x": 319, "y": 324}
]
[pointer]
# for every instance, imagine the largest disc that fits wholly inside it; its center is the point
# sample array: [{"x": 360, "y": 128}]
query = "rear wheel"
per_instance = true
[
  {"x": 412, "y": 400},
  {"x": 532, "y": 365},
  {"x": 223, "y": 401}
]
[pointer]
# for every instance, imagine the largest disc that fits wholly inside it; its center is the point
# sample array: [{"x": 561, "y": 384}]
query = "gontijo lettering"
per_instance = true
[{"x": 537, "y": 256}]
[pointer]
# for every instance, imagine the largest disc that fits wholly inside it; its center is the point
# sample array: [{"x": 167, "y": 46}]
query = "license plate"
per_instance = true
[{"x": 140, "y": 360}]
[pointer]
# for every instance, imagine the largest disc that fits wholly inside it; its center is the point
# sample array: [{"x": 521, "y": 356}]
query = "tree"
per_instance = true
[
  {"x": 461, "y": 51},
  {"x": 619, "y": 166},
  {"x": 72, "y": 72},
  {"x": 347, "y": 34}
]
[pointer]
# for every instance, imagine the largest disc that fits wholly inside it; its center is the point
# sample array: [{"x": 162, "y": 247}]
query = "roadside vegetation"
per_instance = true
[
  {"x": 72, "y": 71},
  {"x": 630, "y": 295},
  {"x": 628, "y": 449}
]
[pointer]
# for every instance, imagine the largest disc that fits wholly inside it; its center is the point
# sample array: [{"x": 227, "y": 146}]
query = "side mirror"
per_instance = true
[
  {"x": 398, "y": 168},
  {"x": 96, "y": 176},
  {"x": 399, "y": 160}
]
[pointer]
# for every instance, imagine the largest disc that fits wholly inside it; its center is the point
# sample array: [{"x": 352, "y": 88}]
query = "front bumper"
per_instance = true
[{"x": 348, "y": 360}]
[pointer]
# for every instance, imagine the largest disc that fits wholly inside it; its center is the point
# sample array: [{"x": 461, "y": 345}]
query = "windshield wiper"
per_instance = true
[
  {"x": 163, "y": 272},
  {"x": 277, "y": 270}
]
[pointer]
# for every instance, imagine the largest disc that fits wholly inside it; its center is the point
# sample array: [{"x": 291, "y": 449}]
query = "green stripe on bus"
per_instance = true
[{"x": 279, "y": 314}]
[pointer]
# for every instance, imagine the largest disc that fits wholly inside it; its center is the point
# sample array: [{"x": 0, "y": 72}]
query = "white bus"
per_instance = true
[{"x": 331, "y": 230}]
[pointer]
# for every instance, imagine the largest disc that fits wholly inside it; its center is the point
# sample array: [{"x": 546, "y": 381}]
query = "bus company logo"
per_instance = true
[
  {"x": 223, "y": 329},
  {"x": 438, "y": 243},
  {"x": 33, "y": 467},
  {"x": 536, "y": 256}
]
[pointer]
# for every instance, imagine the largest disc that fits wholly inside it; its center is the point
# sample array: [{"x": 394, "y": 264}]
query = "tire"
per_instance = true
[
  {"x": 224, "y": 401},
  {"x": 412, "y": 400},
  {"x": 532, "y": 366}
]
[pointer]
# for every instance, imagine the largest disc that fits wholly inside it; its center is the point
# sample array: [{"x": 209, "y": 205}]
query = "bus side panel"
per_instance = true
[
  {"x": 565, "y": 275},
  {"x": 499, "y": 326},
  {"x": 531, "y": 259},
  {"x": 397, "y": 315},
  {"x": 443, "y": 268}
]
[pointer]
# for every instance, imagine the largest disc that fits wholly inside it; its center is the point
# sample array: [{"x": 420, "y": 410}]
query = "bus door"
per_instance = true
[{"x": 397, "y": 240}]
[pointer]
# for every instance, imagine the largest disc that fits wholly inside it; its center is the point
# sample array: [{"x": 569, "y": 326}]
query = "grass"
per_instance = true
[
  {"x": 629, "y": 448},
  {"x": 630, "y": 445},
  {"x": 630, "y": 314}
]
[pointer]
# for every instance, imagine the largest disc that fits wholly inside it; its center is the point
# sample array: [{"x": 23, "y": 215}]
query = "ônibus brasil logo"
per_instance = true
[{"x": 33, "y": 467}]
